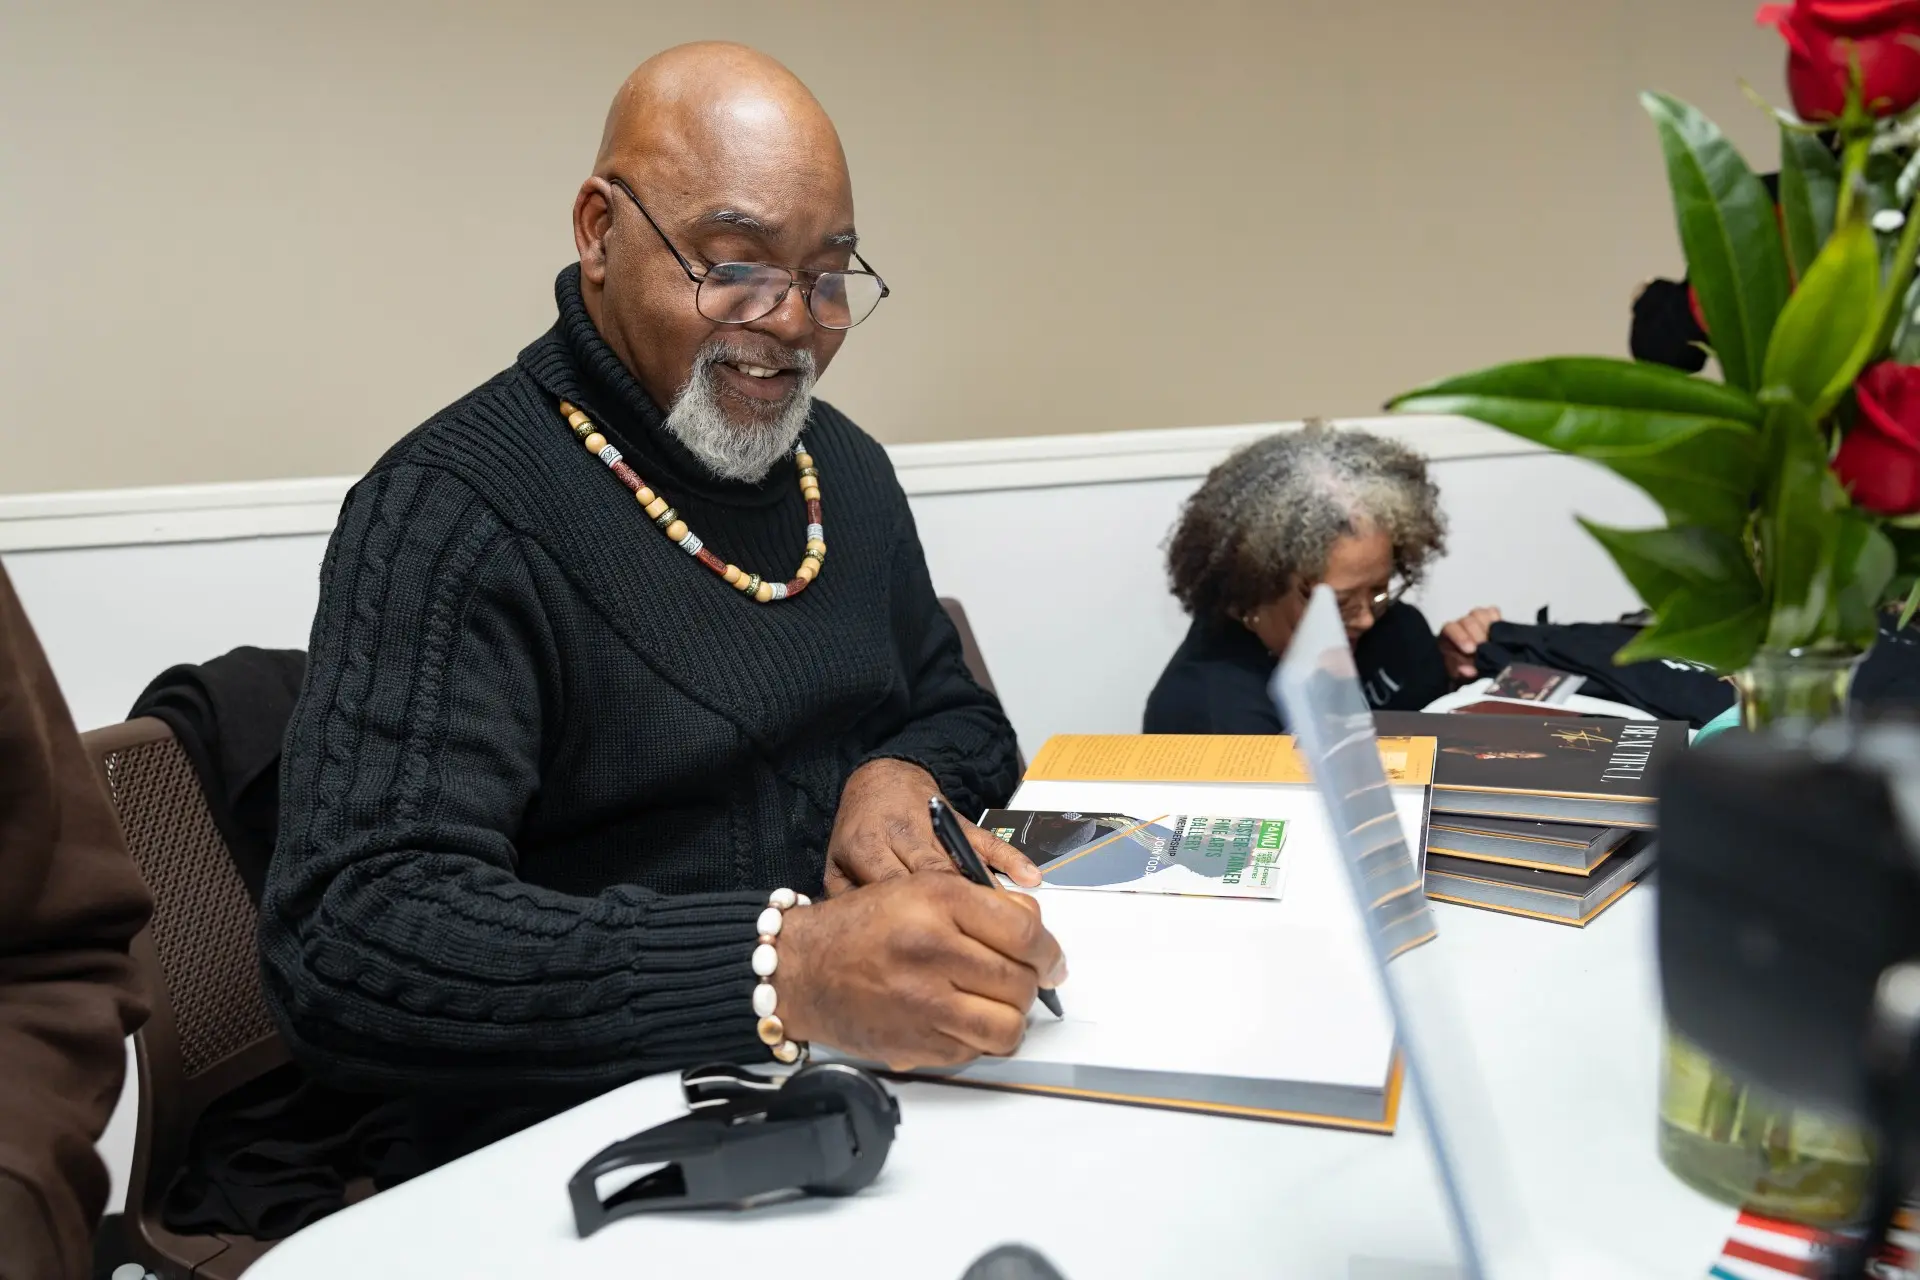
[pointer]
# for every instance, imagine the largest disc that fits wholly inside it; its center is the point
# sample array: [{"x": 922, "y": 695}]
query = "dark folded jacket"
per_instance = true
[
  {"x": 1672, "y": 690},
  {"x": 279, "y": 1152}
]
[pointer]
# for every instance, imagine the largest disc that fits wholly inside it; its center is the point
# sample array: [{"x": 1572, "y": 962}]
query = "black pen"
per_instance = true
[{"x": 946, "y": 829}]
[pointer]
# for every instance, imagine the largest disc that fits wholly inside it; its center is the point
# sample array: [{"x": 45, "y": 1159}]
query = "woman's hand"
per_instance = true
[{"x": 1461, "y": 638}]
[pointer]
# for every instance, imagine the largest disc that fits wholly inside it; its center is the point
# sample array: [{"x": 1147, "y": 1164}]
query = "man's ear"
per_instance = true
[{"x": 592, "y": 219}]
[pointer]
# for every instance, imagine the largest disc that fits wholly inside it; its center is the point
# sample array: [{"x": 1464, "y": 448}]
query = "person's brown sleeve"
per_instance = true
[{"x": 70, "y": 902}]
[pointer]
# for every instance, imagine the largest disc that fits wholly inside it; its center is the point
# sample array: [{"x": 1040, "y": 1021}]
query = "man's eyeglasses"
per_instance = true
[{"x": 742, "y": 292}]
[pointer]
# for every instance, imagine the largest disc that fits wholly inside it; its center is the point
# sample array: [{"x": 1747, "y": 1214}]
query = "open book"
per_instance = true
[{"x": 1263, "y": 1008}]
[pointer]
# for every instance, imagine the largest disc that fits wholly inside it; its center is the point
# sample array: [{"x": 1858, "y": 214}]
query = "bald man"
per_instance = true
[{"x": 575, "y": 715}]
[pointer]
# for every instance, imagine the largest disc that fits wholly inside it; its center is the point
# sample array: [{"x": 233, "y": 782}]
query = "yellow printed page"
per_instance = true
[{"x": 1178, "y": 757}]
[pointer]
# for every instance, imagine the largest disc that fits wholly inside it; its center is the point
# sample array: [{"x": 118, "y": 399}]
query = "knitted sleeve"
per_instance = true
[
  {"x": 956, "y": 730},
  {"x": 399, "y": 948}
]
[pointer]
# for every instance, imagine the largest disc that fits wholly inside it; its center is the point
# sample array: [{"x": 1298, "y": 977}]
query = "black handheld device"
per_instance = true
[{"x": 823, "y": 1131}]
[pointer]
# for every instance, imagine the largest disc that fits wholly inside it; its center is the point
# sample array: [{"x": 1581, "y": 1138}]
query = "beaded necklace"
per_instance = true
[{"x": 670, "y": 523}]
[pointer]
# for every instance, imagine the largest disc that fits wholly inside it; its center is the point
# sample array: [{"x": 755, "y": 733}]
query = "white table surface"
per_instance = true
[{"x": 1565, "y": 1022}]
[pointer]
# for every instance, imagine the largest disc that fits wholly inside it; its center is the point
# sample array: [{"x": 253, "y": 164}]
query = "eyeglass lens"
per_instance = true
[
  {"x": 1373, "y": 603},
  {"x": 742, "y": 292}
]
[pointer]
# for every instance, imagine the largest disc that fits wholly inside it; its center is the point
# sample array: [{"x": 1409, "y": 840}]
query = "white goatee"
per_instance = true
[{"x": 730, "y": 447}]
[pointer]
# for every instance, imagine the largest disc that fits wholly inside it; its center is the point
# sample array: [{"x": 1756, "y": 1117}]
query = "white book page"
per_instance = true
[{"x": 1215, "y": 986}]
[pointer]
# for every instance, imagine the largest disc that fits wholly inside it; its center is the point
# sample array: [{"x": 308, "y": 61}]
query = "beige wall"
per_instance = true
[{"x": 243, "y": 240}]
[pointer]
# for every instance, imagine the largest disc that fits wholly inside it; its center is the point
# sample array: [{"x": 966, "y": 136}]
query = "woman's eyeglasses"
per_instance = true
[
  {"x": 742, "y": 292},
  {"x": 1355, "y": 605}
]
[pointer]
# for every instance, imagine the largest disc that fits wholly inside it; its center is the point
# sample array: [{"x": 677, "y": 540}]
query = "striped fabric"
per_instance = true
[{"x": 1768, "y": 1249}]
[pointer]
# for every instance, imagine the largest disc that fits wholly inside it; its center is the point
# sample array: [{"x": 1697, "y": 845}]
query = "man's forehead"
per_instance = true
[{"x": 772, "y": 226}]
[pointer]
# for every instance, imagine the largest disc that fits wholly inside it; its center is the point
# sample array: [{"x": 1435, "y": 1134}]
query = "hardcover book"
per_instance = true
[
  {"x": 1545, "y": 895},
  {"x": 1544, "y": 846},
  {"x": 1546, "y": 768}
]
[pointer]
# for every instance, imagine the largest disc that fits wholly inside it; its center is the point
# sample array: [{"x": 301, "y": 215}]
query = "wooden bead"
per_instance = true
[
  {"x": 804, "y": 459},
  {"x": 816, "y": 546},
  {"x": 676, "y": 531},
  {"x": 733, "y": 575},
  {"x": 646, "y": 496},
  {"x": 806, "y": 571},
  {"x": 595, "y": 443},
  {"x": 655, "y": 507},
  {"x": 764, "y": 592},
  {"x": 772, "y": 1030}
]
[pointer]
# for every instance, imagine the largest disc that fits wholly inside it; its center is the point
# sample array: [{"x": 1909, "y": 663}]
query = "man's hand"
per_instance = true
[
  {"x": 919, "y": 971},
  {"x": 882, "y": 831},
  {"x": 1460, "y": 638}
]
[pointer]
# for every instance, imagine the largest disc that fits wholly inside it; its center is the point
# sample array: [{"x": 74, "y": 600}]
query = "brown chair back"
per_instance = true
[
  {"x": 969, "y": 647},
  {"x": 210, "y": 1031},
  {"x": 970, "y": 653}
]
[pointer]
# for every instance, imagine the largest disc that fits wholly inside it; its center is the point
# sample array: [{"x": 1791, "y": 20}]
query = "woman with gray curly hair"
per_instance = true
[{"x": 1277, "y": 518}]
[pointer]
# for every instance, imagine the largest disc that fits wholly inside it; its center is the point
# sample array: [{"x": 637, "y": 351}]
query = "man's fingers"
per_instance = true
[
  {"x": 917, "y": 849},
  {"x": 837, "y": 882},
  {"x": 1013, "y": 929},
  {"x": 868, "y": 862},
  {"x": 983, "y": 1025},
  {"x": 977, "y": 969},
  {"x": 1001, "y": 856}
]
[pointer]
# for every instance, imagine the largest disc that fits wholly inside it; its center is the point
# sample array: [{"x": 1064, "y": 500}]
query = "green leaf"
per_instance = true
[
  {"x": 1809, "y": 185},
  {"x": 1894, "y": 307},
  {"x": 1708, "y": 603},
  {"x": 1797, "y": 532},
  {"x": 1862, "y": 567},
  {"x": 1906, "y": 549},
  {"x": 1689, "y": 443},
  {"x": 1905, "y": 344},
  {"x": 1731, "y": 235},
  {"x": 1661, "y": 562},
  {"x": 1711, "y": 629},
  {"x": 1820, "y": 342},
  {"x": 1911, "y": 605}
]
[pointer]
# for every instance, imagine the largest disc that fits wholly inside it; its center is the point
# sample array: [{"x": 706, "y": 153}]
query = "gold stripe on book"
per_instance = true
[
  {"x": 1390, "y": 1115},
  {"x": 1581, "y": 923}
]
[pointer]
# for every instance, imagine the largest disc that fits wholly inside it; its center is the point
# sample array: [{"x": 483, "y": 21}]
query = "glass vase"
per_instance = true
[{"x": 1722, "y": 1136}]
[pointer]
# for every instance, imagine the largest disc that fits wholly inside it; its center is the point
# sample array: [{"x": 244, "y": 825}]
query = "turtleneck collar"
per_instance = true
[{"x": 573, "y": 362}]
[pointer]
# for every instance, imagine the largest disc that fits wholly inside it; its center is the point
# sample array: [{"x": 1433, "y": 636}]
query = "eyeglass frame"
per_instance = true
[
  {"x": 793, "y": 273},
  {"x": 1377, "y": 604}
]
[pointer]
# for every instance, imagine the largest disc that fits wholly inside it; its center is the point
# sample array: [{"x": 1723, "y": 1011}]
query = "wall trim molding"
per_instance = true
[{"x": 288, "y": 508}]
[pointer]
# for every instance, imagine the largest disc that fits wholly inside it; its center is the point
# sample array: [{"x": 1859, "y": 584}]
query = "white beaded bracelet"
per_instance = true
[{"x": 766, "y": 962}]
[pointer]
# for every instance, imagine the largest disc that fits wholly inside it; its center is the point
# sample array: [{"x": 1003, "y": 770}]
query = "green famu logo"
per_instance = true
[{"x": 1271, "y": 834}]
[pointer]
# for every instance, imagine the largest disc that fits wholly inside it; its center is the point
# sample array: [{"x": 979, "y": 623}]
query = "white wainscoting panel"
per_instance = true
[{"x": 1054, "y": 544}]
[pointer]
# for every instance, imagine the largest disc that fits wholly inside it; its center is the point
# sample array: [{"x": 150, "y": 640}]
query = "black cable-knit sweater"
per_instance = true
[{"x": 546, "y": 767}]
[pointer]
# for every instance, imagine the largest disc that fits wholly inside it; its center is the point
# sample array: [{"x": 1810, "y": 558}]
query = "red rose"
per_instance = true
[
  {"x": 1879, "y": 461},
  {"x": 1824, "y": 36}
]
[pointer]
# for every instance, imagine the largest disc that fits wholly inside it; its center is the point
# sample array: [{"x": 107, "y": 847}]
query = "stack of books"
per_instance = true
[{"x": 1546, "y": 816}]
